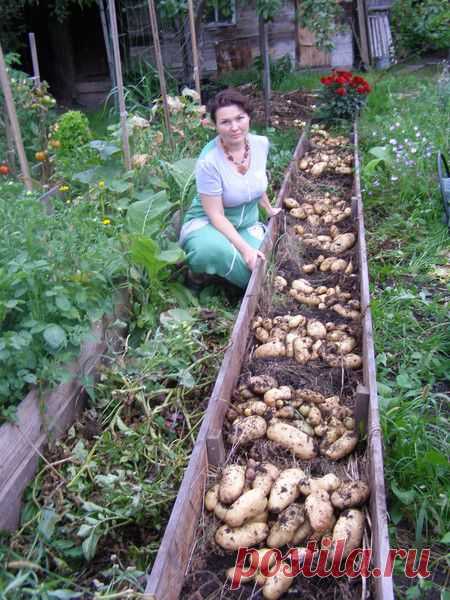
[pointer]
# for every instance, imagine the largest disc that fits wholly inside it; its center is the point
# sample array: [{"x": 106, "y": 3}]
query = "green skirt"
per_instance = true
[{"x": 209, "y": 251}]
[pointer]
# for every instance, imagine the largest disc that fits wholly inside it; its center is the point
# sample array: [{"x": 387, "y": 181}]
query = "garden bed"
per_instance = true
[
  {"x": 43, "y": 417},
  {"x": 194, "y": 552}
]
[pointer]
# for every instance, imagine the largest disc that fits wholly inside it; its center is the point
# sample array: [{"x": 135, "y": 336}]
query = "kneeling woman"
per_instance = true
[{"x": 221, "y": 234}]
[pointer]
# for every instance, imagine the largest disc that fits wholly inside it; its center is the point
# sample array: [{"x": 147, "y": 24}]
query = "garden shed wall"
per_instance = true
[{"x": 233, "y": 46}]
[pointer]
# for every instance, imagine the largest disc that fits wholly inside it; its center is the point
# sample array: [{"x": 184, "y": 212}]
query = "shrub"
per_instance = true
[
  {"x": 71, "y": 133},
  {"x": 421, "y": 25}
]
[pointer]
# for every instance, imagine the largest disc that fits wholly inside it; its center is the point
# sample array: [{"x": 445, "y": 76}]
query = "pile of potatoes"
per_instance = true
[
  {"x": 260, "y": 504},
  {"x": 332, "y": 264},
  {"x": 318, "y": 162},
  {"x": 322, "y": 211},
  {"x": 302, "y": 421},
  {"x": 322, "y": 138},
  {"x": 295, "y": 336},
  {"x": 323, "y": 297},
  {"x": 334, "y": 242}
]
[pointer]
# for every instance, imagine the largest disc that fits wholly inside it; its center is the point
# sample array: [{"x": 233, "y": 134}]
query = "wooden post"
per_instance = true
[
  {"x": 160, "y": 66},
  {"x": 264, "y": 45},
  {"x": 15, "y": 127},
  {"x": 297, "y": 34},
  {"x": 119, "y": 83},
  {"x": 34, "y": 58},
  {"x": 107, "y": 43},
  {"x": 194, "y": 49},
  {"x": 363, "y": 35},
  {"x": 10, "y": 152}
]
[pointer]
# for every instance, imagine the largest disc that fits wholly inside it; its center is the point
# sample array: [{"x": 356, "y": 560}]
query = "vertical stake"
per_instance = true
[
  {"x": 264, "y": 45},
  {"x": 363, "y": 32},
  {"x": 160, "y": 66},
  {"x": 194, "y": 49},
  {"x": 109, "y": 57},
  {"x": 119, "y": 82},
  {"x": 15, "y": 127},
  {"x": 34, "y": 59}
]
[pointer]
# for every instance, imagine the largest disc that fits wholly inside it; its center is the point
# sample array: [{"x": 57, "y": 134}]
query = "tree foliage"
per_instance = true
[
  {"x": 322, "y": 18},
  {"x": 420, "y": 26},
  {"x": 267, "y": 9},
  {"x": 12, "y": 21}
]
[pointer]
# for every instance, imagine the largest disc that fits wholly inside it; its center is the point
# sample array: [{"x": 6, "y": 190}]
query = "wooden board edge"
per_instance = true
[{"x": 383, "y": 585}]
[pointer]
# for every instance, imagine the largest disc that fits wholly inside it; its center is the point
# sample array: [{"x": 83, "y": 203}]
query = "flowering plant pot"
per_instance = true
[{"x": 342, "y": 95}]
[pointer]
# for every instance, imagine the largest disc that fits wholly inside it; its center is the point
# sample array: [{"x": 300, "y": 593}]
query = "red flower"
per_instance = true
[
  {"x": 327, "y": 80},
  {"x": 342, "y": 73},
  {"x": 359, "y": 80},
  {"x": 363, "y": 89},
  {"x": 341, "y": 91},
  {"x": 341, "y": 80}
]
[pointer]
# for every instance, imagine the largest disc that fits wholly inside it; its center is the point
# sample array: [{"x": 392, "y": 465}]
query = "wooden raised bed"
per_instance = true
[
  {"x": 166, "y": 579},
  {"x": 41, "y": 420}
]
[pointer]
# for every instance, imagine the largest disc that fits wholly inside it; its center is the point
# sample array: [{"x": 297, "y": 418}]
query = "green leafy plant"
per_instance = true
[
  {"x": 420, "y": 26},
  {"x": 35, "y": 112},
  {"x": 321, "y": 17},
  {"x": 267, "y": 9},
  {"x": 279, "y": 69},
  {"x": 71, "y": 133},
  {"x": 102, "y": 532},
  {"x": 342, "y": 95},
  {"x": 141, "y": 87},
  {"x": 49, "y": 294}
]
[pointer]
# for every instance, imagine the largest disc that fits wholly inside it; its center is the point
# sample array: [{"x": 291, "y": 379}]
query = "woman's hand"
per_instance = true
[
  {"x": 273, "y": 212},
  {"x": 250, "y": 256}
]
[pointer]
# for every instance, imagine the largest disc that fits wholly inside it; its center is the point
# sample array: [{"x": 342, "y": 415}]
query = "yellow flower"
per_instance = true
[
  {"x": 64, "y": 188},
  {"x": 106, "y": 221},
  {"x": 101, "y": 184}
]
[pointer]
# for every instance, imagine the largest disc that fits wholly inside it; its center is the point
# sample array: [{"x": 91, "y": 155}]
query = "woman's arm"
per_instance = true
[
  {"x": 264, "y": 203},
  {"x": 213, "y": 207}
]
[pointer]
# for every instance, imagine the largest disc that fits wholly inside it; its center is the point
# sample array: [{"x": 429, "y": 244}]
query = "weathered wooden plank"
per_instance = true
[
  {"x": 38, "y": 421},
  {"x": 310, "y": 55},
  {"x": 380, "y": 547}
]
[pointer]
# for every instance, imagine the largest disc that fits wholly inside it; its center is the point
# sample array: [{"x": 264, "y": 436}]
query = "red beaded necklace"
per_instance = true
[{"x": 241, "y": 165}]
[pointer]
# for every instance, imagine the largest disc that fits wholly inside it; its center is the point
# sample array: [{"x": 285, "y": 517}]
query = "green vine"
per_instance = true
[
  {"x": 267, "y": 9},
  {"x": 322, "y": 18}
]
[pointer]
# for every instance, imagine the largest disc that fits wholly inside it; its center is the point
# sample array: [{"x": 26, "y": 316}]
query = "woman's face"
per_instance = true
[{"x": 232, "y": 124}]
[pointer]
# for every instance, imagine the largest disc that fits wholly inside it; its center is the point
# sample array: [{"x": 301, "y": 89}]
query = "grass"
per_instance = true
[
  {"x": 407, "y": 242},
  {"x": 284, "y": 81}
]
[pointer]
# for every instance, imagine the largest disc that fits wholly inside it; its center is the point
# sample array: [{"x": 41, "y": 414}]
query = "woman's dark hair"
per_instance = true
[{"x": 228, "y": 97}]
